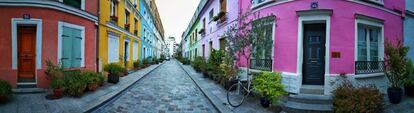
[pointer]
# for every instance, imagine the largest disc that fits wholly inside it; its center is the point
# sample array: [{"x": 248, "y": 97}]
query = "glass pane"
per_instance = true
[
  {"x": 73, "y": 3},
  {"x": 362, "y": 47},
  {"x": 374, "y": 37}
]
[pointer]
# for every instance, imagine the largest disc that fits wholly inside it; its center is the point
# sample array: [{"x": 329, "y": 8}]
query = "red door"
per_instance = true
[{"x": 26, "y": 38}]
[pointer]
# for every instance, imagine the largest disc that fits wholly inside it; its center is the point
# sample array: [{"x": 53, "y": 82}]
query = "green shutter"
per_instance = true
[
  {"x": 66, "y": 47},
  {"x": 76, "y": 48}
]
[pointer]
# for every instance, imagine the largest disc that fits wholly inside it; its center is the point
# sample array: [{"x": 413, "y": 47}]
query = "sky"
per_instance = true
[{"x": 175, "y": 16}]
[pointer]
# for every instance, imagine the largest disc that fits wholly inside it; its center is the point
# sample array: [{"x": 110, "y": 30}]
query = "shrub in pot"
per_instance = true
[
  {"x": 228, "y": 73},
  {"x": 58, "y": 88},
  {"x": 114, "y": 71},
  {"x": 56, "y": 76},
  {"x": 203, "y": 68},
  {"x": 409, "y": 82},
  {"x": 146, "y": 62},
  {"x": 197, "y": 63},
  {"x": 76, "y": 84},
  {"x": 137, "y": 65},
  {"x": 269, "y": 86},
  {"x": 5, "y": 91},
  {"x": 395, "y": 69},
  {"x": 92, "y": 80},
  {"x": 348, "y": 98}
]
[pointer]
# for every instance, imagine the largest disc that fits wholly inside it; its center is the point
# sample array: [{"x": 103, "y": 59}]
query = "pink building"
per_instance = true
[
  {"x": 34, "y": 31},
  {"x": 312, "y": 42}
]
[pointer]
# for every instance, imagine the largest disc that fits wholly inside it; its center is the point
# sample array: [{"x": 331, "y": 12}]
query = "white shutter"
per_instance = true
[
  {"x": 113, "y": 49},
  {"x": 135, "y": 50}
]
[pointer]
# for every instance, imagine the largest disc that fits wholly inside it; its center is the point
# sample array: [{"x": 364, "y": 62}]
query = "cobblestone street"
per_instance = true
[{"x": 166, "y": 89}]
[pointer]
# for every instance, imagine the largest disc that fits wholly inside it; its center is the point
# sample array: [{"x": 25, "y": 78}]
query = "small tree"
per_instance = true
[
  {"x": 243, "y": 36},
  {"x": 395, "y": 63}
]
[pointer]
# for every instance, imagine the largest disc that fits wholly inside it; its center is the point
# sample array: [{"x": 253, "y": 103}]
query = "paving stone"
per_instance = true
[{"x": 166, "y": 89}]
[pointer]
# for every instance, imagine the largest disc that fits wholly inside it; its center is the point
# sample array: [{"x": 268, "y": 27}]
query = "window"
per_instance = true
[
  {"x": 222, "y": 44},
  {"x": 113, "y": 48},
  {"x": 263, "y": 43},
  {"x": 204, "y": 24},
  {"x": 211, "y": 46},
  {"x": 113, "y": 10},
  {"x": 260, "y": 2},
  {"x": 75, "y": 3},
  {"x": 369, "y": 47},
  {"x": 369, "y": 43},
  {"x": 136, "y": 27},
  {"x": 72, "y": 47},
  {"x": 379, "y": 2},
  {"x": 211, "y": 15},
  {"x": 223, "y": 5},
  {"x": 204, "y": 50},
  {"x": 127, "y": 25}
]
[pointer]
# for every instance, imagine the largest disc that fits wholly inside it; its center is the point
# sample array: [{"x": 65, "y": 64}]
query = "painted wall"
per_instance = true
[
  {"x": 104, "y": 29},
  {"x": 342, "y": 30},
  {"x": 409, "y": 27},
  {"x": 49, "y": 40}
]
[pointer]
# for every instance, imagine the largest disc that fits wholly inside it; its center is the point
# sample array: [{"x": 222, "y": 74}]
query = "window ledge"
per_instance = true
[{"x": 362, "y": 76}]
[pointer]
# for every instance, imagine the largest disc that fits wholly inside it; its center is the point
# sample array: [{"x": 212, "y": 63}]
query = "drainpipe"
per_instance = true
[{"x": 97, "y": 39}]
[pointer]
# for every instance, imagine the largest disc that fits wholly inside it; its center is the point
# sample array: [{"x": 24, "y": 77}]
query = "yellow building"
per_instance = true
[{"x": 119, "y": 32}]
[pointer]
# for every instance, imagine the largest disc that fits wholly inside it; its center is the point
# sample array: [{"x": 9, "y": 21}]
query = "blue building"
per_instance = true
[
  {"x": 151, "y": 30},
  {"x": 409, "y": 27}
]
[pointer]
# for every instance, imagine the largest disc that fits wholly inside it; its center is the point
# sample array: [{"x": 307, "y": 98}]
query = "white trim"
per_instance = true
[
  {"x": 52, "y": 5},
  {"x": 381, "y": 43},
  {"x": 117, "y": 37},
  {"x": 60, "y": 31},
  {"x": 83, "y": 5},
  {"x": 38, "y": 23},
  {"x": 313, "y": 18}
]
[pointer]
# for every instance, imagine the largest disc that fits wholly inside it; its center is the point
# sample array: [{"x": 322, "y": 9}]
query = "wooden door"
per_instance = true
[
  {"x": 314, "y": 54},
  {"x": 26, "y": 41}
]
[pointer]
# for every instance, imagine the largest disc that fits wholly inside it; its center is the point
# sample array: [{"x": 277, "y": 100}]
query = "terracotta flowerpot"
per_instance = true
[
  {"x": 92, "y": 87},
  {"x": 58, "y": 93},
  {"x": 4, "y": 98}
]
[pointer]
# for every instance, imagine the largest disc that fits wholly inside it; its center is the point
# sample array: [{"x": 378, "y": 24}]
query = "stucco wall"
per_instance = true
[
  {"x": 409, "y": 35},
  {"x": 49, "y": 39},
  {"x": 342, "y": 32}
]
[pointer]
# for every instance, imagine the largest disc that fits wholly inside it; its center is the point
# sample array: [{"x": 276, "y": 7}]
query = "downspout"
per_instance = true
[{"x": 97, "y": 38}]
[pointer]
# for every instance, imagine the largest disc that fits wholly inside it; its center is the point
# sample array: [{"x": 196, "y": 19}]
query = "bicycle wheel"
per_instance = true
[{"x": 235, "y": 95}]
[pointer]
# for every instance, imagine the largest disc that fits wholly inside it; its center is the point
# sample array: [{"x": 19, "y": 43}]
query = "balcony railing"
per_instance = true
[
  {"x": 261, "y": 64},
  {"x": 367, "y": 67}
]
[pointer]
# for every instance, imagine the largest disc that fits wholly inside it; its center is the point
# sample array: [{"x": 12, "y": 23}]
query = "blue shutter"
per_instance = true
[
  {"x": 66, "y": 47},
  {"x": 76, "y": 48}
]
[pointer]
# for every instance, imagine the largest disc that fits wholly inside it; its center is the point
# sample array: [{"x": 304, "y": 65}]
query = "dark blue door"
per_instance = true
[{"x": 314, "y": 54}]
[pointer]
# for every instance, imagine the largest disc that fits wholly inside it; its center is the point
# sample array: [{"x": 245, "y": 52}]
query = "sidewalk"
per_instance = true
[
  {"x": 37, "y": 103},
  {"x": 218, "y": 95}
]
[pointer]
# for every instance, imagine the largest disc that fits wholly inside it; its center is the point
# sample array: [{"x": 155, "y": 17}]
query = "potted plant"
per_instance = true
[
  {"x": 56, "y": 75},
  {"x": 92, "y": 80},
  {"x": 269, "y": 86},
  {"x": 5, "y": 91},
  {"x": 58, "y": 88},
  {"x": 228, "y": 73},
  {"x": 395, "y": 69},
  {"x": 75, "y": 84},
  {"x": 409, "y": 82},
  {"x": 114, "y": 70},
  {"x": 137, "y": 65}
]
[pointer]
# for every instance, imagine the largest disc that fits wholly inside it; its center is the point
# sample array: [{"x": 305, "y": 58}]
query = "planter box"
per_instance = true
[{"x": 113, "y": 78}]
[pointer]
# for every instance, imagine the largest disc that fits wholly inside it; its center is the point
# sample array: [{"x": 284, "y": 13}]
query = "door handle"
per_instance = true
[{"x": 314, "y": 61}]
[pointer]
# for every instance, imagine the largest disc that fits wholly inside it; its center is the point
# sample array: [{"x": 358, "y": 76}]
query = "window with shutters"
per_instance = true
[
  {"x": 113, "y": 48},
  {"x": 71, "y": 47}
]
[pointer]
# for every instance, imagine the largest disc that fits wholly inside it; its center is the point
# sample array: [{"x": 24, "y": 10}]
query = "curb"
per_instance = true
[
  {"x": 121, "y": 92},
  {"x": 209, "y": 96}
]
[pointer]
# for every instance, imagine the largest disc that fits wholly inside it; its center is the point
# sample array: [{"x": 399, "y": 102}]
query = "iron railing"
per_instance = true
[
  {"x": 261, "y": 64},
  {"x": 367, "y": 67}
]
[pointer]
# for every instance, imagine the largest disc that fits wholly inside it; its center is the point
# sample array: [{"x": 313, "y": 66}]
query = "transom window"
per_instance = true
[
  {"x": 80, "y": 4},
  {"x": 380, "y": 2}
]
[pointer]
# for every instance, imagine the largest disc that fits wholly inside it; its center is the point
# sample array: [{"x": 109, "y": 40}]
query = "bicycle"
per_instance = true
[{"x": 238, "y": 92}]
